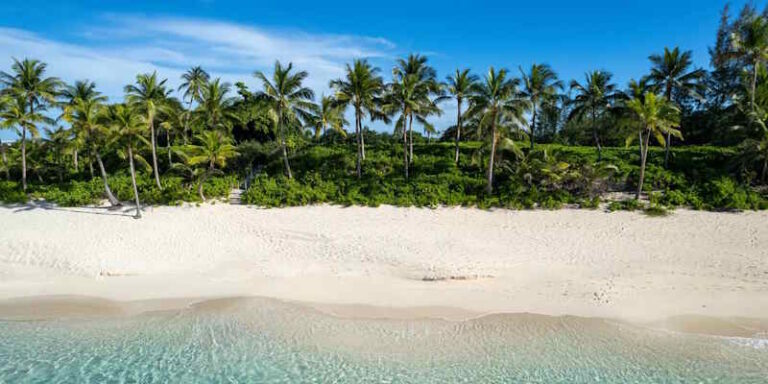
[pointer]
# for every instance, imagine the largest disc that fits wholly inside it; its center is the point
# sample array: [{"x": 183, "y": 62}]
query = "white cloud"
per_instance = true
[{"x": 113, "y": 53}]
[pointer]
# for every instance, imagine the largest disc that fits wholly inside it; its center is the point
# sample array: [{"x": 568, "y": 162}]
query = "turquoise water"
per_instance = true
[{"x": 264, "y": 341}]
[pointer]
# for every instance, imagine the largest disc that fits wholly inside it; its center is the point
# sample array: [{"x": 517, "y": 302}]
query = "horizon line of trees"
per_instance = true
[{"x": 201, "y": 126}]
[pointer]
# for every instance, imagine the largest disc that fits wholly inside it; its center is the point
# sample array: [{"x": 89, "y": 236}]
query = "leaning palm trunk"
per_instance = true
[
  {"x": 458, "y": 131},
  {"x": 133, "y": 181},
  {"x": 112, "y": 199},
  {"x": 643, "y": 158},
  {"x": 155, "y": 170},
  {"x": 493, "y": 154},
  {"x": 203, "y": 178},
  {"x": 74, "y": 160}
]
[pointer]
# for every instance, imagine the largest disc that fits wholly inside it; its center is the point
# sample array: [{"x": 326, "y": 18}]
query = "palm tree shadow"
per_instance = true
[{"x": 101, "y": 211}]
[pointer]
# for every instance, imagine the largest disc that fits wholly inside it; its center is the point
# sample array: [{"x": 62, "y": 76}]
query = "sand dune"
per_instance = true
[{"x": 588, "y": 263}]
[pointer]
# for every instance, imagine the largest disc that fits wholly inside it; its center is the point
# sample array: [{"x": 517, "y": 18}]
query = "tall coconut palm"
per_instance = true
[
  {"x": 425, "y": 84},
  {"x": 540, "y": 87},
  {"x": 28, "y": 81},
  {"x": 328, "y": 114},
  {"x": 149, "y": 95},
  {"x": 672, "y": 74},
  {"x": 750, "y": 43},
  {"x": 215, "y": 103},
  {"x": 288, "y": 98},
  {"x": 213, "y": 150},
  {"x": 497, "y": 100},
  {"x": 17, "y": 115},
  {"x": 658, "y": 117},
  {"x": 362, "y": 89},
  {"x": 192, "y": 85},
  {"x": 402, "y": 96},
  {"x": 460, "y": 85},
  {"x": 86, "y": 118},
  {"x": 81, "y": 90},
  {"x": 127, "y": 129},
  {"x": 593, "y": 98}
]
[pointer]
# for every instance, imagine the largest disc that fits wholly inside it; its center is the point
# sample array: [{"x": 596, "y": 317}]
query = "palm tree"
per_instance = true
[
  {"x": 425, "y": 84},
  {"x": 86, "y": 117},
  {"x": 127, "y": 129},
  {"x": 402, "y": 96},
  {"x": 361, "y": 88},
  {"x": 57, "y": 143},
  {"x": 540, "y": 87},
  {"x": 18, "y": 116},
  {"x": 496, "y": 102},
  {"x": 658, "y": 117},
  {"x": 28, "y": 81},
  {"x": 593, "y": 98},
  {"x": 194, "y": 80},
  {"x": 672, "y": 74},
  {"x": 750, "y": 43},
  {"x": 215, "y": 103},
  {"x": 290, "y": 100},
  {"x": 149, "y": 95},
  {"x": 81, "y": 90},
  {"x": 460, "y": 85},
  {"x": 5, "y": 101},
  {"x": 328, "y": 114},
  {"x": 214, "y": 149}
]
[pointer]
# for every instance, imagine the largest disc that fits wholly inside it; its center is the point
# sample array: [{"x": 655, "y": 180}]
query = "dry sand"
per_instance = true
[{"x": 446, "y": 262}]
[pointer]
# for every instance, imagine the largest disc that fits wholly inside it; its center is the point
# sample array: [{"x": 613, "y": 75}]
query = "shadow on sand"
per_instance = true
[{"x": 103, "y": 211}]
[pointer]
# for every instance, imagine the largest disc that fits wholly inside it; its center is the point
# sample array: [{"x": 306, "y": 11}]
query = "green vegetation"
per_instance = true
[{"x": 518, "y": 142}]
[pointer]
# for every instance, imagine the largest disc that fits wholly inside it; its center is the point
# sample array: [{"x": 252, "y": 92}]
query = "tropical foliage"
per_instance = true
[{"x": 163, "y": 144}]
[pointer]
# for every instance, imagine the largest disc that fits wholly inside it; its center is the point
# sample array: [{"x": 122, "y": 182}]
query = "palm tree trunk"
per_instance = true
[
  {"x": 643, "y": 158},
  {"x": 202, "y": 182},
  {"x": 154, "y": 153},
  {"x": 358, "y": 135},
  {"x": 405, "y": 148},
  {"x": 668, "y": 143},
  {"x": 533, "y": 126},
  {"x": 410, "y": 139},
  {"x": 493, "y": 155},
  {"x": 24, "y": 158},
  {"x": 5, "y": 161},
  {"x": 186, "y": 120},
  {"x": 168, "y": 147},
  {"x": 362, "y": 139},
  {"x": 755, "y": 69},
  {"x": 458, "y": 130},
  {"x": 596, "y": 136},
  {"x": 75, "y": 160},
  {"x": 112, "y": 199},
  {"x": 90, "y": 165},
  {"x": 764, "y": 175},
  {"x": 133, "y": 181},
  {"x": 282, "y": 144}
]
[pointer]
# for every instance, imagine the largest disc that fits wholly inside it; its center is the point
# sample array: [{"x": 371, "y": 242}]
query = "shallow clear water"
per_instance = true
[{"x": 258, "y": 340}]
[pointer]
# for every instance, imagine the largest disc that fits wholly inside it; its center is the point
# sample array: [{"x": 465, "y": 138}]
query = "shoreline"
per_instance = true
[
  {"x": 52, "y": 308},
  {"x": 450, "y": 262}
]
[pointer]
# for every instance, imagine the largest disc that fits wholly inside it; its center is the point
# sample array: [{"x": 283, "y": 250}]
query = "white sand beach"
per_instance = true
[{"x": 446, "y": 262}]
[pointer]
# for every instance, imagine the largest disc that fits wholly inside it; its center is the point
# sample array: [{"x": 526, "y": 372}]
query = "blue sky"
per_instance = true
[{"x": 110, "y": 41}]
